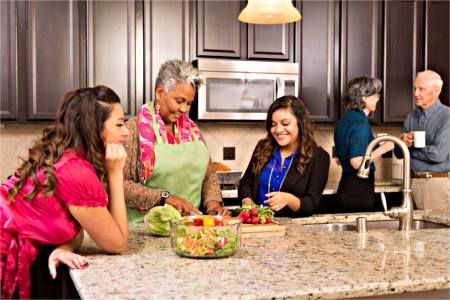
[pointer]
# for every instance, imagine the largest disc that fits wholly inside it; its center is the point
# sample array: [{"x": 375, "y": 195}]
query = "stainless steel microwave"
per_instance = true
[{"x": 242, "y": 90}]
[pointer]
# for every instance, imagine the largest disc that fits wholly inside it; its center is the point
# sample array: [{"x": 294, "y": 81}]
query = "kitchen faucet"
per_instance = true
[{"x": 404, "y": 212}]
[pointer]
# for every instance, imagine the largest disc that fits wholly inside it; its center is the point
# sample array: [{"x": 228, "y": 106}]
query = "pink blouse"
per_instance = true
[
  {"x": 28, "y": 224},
  {"x": 184, "y": 130}
]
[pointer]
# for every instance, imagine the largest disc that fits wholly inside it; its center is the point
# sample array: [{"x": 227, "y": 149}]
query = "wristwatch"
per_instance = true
[{"x": 164, "y": 196}]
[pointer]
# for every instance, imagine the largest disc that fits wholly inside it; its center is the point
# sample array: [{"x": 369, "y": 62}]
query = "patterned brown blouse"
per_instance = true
[{"x": 143, "y": 198}]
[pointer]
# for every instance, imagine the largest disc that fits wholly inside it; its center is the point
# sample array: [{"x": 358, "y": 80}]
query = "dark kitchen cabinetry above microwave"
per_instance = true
[
  {"x": 49, "y": 47},
  {"x": 218, "y": 33}
]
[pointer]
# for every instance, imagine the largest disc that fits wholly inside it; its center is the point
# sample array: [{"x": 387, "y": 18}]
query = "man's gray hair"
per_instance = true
[
  {"x": 358, "y": 88},
  {"x": 176, "y": 71},
  {"x": 433, "y": 76}
]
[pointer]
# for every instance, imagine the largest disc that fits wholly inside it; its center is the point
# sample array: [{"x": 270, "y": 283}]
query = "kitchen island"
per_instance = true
[{"x": 303, "y": 264}]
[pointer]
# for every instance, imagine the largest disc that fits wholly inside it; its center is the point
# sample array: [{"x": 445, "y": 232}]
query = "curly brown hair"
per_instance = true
[
  {"x": 78, "y": 125},
  {"x": 306, "y": 141}
]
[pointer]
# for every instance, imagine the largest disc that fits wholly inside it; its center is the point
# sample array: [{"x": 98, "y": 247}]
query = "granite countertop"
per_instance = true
[
  {"x": 381, "y": 185},
  {"x": 303, "y": 264}
]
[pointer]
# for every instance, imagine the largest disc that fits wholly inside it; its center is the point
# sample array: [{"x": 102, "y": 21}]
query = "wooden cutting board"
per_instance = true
[{"x": 250, "y": 228}]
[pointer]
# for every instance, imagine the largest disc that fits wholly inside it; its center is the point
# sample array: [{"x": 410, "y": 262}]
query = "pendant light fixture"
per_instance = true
[{"x": 269, "y": 12}]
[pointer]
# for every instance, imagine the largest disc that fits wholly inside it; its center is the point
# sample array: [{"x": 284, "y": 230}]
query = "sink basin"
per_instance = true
[{"x": 375, "y": 225}]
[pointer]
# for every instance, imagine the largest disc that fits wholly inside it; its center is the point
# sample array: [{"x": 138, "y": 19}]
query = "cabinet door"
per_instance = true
[
  {"x": 115, "y": 45},
  {"x": 8, "y": 55},
  {"x": 437, "y": 43},
  {"x": 52, "y": 55},
  {"x": 361, "y": 44},
  {"x": 166, "y": 37},
  {"x": 273, "y": 42},
  {"x": 316, "y": 48},
  {"x": 218, "y": 29},
  {"x": 403, "y": 56}
]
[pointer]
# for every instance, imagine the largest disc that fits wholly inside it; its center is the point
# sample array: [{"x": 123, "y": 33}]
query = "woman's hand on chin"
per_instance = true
[{"x": 115, "y": 157}]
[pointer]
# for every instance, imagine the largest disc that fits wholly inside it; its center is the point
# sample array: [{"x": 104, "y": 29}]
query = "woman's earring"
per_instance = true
[{"x": 157, "y": 107}]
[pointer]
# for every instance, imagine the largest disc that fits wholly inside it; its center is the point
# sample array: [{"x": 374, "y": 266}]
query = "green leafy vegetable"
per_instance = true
[{"x": 157, "y": 220}]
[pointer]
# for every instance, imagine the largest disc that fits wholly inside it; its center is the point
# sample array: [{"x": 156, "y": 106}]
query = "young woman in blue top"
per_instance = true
[
  {"x": 288, "y": 171},
  {"x": 351, "y": 137}
]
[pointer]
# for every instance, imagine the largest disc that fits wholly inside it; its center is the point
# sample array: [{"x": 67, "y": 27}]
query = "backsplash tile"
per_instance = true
[{"x": 16, "y": 139}]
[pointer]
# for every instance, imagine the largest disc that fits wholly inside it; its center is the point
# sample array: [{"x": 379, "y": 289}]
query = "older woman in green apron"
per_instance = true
[{"x": 168, "y": 161}]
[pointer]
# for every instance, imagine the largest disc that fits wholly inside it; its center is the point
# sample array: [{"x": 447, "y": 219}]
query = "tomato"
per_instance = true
[
  {"x": 198, "y": 222},
  {"x": 218, "y": 222},
  {"x": 221, "y": 242}
]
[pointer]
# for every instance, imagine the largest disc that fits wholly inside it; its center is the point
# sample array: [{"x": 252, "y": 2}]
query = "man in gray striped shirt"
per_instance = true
[{"x": 430, "y": 165}]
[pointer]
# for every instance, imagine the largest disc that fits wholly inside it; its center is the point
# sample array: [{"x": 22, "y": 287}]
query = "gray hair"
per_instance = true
[
  {"x": 434, "y": 77},
  {"x": 176, "y": 71},
  {"x": 358, "y": 88}
]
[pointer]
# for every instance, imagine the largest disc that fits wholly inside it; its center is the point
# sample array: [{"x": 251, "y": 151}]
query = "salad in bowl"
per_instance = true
[{"x": 205, "y": 236}]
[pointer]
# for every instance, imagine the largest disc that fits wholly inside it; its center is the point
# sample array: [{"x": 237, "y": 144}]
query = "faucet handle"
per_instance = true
[{"x": 383, "y": 201}]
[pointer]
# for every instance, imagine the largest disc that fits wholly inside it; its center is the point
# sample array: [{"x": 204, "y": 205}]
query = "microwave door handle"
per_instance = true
[{"x": 279, "y": 87}]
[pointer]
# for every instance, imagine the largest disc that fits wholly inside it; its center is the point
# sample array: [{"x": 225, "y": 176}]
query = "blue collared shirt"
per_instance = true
[
  {"x": 352, "y": 135},
  {"x": 278, "y": 175},
  {"x": 435, "y": 121}
]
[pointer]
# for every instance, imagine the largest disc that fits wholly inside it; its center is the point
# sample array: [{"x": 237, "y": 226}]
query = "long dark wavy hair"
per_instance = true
[
  {"x": 306, "y": 141},
  {"x": 79, "y": 124}
]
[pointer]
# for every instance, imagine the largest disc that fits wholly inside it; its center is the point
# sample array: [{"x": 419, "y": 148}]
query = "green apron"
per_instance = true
[{"x": 179, "y": 169}]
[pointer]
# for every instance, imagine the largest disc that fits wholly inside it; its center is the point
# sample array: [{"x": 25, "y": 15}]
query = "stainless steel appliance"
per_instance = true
[
  {"x": 242, "y": 90},
  {"x": 229, "y": 182}
]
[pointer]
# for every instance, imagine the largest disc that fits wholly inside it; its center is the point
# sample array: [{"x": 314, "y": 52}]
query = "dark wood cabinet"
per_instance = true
[
  {"x": 218, "y": 29},
  {"x": 167, "y": 36},
  {"x": 437, "y": 43},
  {"x": 50, "y": 47},
  {"x": 8, "y": 58},
  {"x": 52, "y": 55},
  {"x": 41, "y": 54},
  {"x": 220, "y": 34},
  {"x": 361, "y": 45},
  {"x": 403, "y": 56},
  {"x": 114, "y": 46},
  {"x": 316, "y": 51},
  {"x": 273, "y": 42}
]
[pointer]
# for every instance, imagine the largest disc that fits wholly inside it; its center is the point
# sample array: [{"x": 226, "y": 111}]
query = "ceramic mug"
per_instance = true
[{"x": 419, "y": 139}]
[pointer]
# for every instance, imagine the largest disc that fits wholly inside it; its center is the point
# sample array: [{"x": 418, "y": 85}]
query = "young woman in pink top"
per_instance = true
[{"x": 72, "y": 180}]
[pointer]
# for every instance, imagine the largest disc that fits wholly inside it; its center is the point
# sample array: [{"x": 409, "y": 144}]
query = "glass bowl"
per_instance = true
[{"x": 205, "y": 236}]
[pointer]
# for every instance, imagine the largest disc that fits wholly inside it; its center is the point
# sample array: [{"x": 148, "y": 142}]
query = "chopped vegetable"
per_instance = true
[
  {"x": 198, "y": 221},
  {"x": 208, "y": 221}
]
